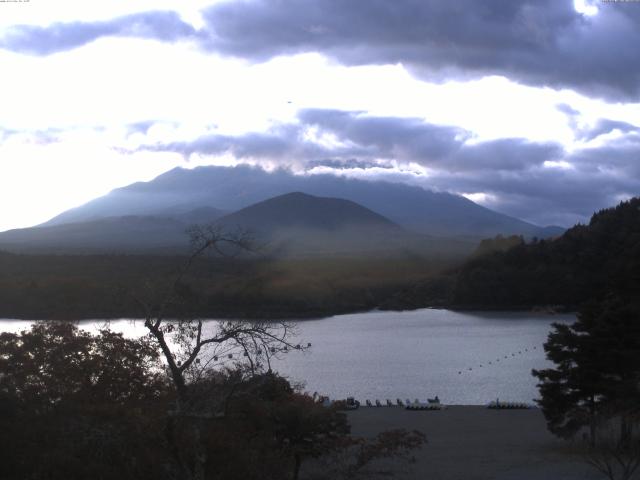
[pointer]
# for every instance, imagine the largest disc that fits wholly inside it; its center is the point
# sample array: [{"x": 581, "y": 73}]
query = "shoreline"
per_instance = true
[{"x": 299, "y": 316}]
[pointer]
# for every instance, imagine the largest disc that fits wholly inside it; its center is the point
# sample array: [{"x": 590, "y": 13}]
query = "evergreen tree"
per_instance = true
[{"x": 597, "y": 369}]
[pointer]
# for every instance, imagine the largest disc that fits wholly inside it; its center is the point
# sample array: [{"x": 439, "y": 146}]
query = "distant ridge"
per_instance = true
[
  {"x": 294, "y": 224},
  {"x": 234, "y": 188},
  {"x": 129, "y": 233}
]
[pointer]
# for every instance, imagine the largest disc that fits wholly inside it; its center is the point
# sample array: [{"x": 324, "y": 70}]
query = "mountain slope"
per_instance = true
[
  {"x": 302, "y": 211},
  {"x": 586, "y": 263},
  {"x": 130, "y": 233},
  {"x": 301, "y": 224},
  {"x": 233, "y": 188}
]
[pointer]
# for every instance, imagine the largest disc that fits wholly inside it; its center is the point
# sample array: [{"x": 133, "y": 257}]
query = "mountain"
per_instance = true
[
  {"x": 295, "y": 224},
  {"x": 234, "y": 188},
  {"x": 299, "y": 210},
  {"x": 129, "y": 233},
  {"x": 298, "y": 223}
]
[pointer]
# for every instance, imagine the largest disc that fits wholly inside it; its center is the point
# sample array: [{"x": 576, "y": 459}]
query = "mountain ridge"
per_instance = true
[{"x": 233, "y": 188}]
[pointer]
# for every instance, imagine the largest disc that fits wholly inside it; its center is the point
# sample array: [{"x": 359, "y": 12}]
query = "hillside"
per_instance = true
[
  {"x": 301, "y": 224},
  {"x": 233, "y": 188},
  {"x": 302, "y": 211},
  {"x": 131, "y": 233},
  {"x": 586, "y": 263}
]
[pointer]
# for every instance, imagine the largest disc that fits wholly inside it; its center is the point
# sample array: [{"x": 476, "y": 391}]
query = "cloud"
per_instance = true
[
  {"x": 31, "y": 136},
  {"x": 333, "y": 134},
  {"x": 539, "y": 182},
  {"x": 605, "y": 126},
  {"x": 536, "y": 42},
  {"x": 409, "y": 139},
  {"x": 35, "y": 40},
  {"x": 561, "y": 192},
  {"x": 349, "y": 164},
  {"x": 283, "y": 144}
]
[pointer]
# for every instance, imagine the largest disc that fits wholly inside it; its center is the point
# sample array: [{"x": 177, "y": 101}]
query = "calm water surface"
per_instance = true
[{"x": 417, "y": 354}]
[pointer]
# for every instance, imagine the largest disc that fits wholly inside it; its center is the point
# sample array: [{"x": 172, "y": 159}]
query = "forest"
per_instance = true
[
  {"x": 587, "y": 262},
  {"x": 104, "y": 286}
]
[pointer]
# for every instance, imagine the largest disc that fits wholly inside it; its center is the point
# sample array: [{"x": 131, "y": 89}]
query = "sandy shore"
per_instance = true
[{"x": 475, "y": 443}]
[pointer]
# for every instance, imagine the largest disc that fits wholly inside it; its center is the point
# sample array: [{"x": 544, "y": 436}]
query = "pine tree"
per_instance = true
[{"x": 597, "y": 369}]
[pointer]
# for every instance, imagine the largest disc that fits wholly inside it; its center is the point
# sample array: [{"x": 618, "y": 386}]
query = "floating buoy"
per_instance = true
[
  {"x": 309, "y": 344},
  {"x": 230, "y": 355},
  {"x": 459, "y": 373}
]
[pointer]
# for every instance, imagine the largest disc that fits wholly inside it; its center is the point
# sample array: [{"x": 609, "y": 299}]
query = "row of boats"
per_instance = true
[
  {"x": 498, "y": 405},
  {"x": 431, "y": 404}
]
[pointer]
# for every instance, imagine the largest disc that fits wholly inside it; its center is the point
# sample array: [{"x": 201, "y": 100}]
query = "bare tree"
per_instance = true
[{"x": 193, "y": 349}]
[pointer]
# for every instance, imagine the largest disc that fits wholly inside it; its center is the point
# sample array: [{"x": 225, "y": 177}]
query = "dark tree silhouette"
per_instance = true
[
  {"x": 75, "y": 405},
  {"x": 597, "y": 369},
  {"x": 192, "y": 348}
]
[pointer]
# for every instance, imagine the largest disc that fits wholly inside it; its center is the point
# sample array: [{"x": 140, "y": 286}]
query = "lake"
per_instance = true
[{"x": 466, "y": 358}]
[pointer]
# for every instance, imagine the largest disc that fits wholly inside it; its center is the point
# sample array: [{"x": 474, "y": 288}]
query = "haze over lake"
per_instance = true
[{"x": 413, "y": 354}]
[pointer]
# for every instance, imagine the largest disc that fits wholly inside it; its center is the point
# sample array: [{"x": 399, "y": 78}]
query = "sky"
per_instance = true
[{"x": 528, "y": 107}]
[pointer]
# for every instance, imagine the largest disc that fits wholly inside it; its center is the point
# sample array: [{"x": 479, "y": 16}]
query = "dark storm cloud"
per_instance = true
[
  {"x": 590, "y": 179},
  {"x": 368, "y": 139},
  {"x": 406, "y": 138},
  {"x": 508, "y": 154},
  {"x": 537, "y": 42},
  {"x": 358, "y": 136},
  {"x": 35, "y": 40}
]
